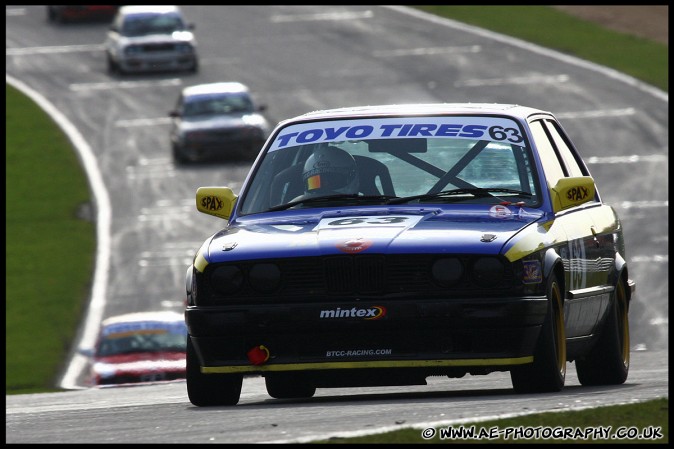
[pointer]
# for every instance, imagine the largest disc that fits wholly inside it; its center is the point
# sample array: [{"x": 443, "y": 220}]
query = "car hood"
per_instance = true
[
  {"x": 178, "y": 36},
  {"x": 220, "y": 122},
  {"x": 467, "y": 230},
  {"x": 140, "y": 362}
]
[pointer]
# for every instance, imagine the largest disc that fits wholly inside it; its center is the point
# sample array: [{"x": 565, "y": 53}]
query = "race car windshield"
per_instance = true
[
  {"x": 144, "y": 25},
  {"x": 413, "y": 157},
  {"x": 217, "y": 105},
  {"x": 142, "y": 342},
  {"x": 338, "y": 199}
]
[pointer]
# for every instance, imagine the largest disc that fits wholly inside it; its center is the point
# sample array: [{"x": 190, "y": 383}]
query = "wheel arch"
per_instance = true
[
  {"x": 552, "y": 264},
  {"x": 621, "y": 274}
]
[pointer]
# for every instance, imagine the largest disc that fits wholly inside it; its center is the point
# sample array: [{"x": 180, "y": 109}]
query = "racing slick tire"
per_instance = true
[
  {"x": 112, "y": 67},
  {"x": 609, "y": 360},
  {"x": 288, "y": 386},
  {"x": 547, "y": 373},
  {"x": 206, "y": 390}
]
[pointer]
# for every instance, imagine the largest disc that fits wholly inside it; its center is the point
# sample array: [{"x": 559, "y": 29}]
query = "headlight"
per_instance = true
[
  {"x": 447, "y": 271},
  {"x": 487, "y": 271},
  {"x": 184, "y": 48},
  {"x": 265, "y": 277},
  {"x": 226, "y": 279},
  {"x": 195, "y": 136},
  {"x": 190, "y": 286},
  {"x": 132, "y": 50}
]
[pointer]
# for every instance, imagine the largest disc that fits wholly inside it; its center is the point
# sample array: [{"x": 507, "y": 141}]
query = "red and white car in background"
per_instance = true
[{"x": 139, "y": 347}]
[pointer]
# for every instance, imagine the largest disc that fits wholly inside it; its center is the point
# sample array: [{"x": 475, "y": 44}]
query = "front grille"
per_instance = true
[
  {"x": 154, "y": 376},
  {"x": 305, "y": 279},
  {"x": 151, "y": 48},
  {"x": 350, "y": 275}
]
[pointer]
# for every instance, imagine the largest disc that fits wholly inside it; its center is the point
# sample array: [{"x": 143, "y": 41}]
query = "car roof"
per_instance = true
[
  {"x": 149, "y": 9},
  {"x": 164, "y": 316},
  {"x": 514, "y": 110},
  {"x": 215, "y": 88}
]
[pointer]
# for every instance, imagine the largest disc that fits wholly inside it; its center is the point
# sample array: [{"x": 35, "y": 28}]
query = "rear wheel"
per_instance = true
[
  {"x": 548, "y": 371},
  {"x": 288, "y": 386},
  {"x": 609, "y": 360},
  {"x": 210, "y": 389}
]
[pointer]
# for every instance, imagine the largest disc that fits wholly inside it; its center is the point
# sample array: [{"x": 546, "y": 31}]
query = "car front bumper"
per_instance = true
[
  {"x": 237, "y": 148},
  {"x": 431, "y": 336},
  {"x": 158, "y": 63}
]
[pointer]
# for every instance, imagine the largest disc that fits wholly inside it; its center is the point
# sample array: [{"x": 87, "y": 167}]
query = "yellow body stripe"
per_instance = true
[
  {"x": 565, "y": 227},
  {"x": 369, "y": 364},
  {"x": 199, "y": 260}
]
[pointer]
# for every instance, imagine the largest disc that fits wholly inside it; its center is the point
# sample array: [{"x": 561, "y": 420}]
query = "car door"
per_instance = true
[{"x": 588, "y": 251}]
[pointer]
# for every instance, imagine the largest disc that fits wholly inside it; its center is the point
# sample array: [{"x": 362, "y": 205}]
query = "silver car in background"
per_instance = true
[
  {"x": 217, "y": 121},
  {"x": 152, "y": 38}
]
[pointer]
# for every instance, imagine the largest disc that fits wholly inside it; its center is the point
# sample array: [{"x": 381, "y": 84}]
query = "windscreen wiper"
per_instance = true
[
  {"x": 476, "y": 192},
  {"x": 328, "y": 198}
]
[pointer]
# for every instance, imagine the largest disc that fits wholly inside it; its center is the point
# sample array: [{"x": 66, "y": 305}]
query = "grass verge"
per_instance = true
[
  {"x": 640, "y": 58},
  {"x": 49, "y": 250},
  {"x": 646, "y": 422}
]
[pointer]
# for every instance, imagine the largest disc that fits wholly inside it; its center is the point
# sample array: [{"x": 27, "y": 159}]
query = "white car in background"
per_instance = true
[
  {"x": 217, "y": 121},
  {"x": 150, "y": 38}
]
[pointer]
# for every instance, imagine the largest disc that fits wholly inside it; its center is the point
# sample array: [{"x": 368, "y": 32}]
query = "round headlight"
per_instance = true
[
  {"x": 447, "y": 271},
  {"x": 226, "y": 279},
  {"x": 190, "y": 286},
  {"x": 132, "y": 50},
  {"x": 487, "y": 271},
  {"x": 265, "y": 277}
]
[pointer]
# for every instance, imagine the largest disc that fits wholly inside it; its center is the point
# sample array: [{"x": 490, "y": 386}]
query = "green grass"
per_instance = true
[
  {"x": 649, "y": 419},
  {"x": 641, "y": 58},
  {"x": 50, "y": 251}
]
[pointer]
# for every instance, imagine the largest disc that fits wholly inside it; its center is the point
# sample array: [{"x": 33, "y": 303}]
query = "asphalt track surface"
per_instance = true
[{"x": 297, "y": 59}]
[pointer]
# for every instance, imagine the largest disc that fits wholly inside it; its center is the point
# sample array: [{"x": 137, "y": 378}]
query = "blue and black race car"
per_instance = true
[{"x": 381, "y": 245}]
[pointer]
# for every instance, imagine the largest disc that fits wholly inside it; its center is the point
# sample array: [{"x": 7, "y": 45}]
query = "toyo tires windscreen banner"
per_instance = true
[{"x": 497, "y": 129}]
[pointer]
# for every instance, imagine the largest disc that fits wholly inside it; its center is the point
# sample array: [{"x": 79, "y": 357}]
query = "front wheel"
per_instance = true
[
  {"x": 609, "y": 360},
  {"x": 113, "y": 69},
  {"x": 206, "y": 390},
  {"x": 548, "y": 371}
]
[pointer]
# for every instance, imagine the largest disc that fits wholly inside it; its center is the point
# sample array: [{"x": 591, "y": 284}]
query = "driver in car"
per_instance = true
[{"x": 329, "y": 171}]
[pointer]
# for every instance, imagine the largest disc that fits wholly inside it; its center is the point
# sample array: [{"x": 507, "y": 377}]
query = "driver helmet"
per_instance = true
[{"x": 330, "y": 169}]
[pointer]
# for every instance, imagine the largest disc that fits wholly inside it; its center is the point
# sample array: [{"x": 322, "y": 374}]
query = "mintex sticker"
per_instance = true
[{"x": 496, "y": 129}]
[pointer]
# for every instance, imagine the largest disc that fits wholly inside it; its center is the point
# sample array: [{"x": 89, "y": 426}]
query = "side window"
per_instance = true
[
  {"x": 554, "y": 170},
  {"x": 564, "y": 150}
]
